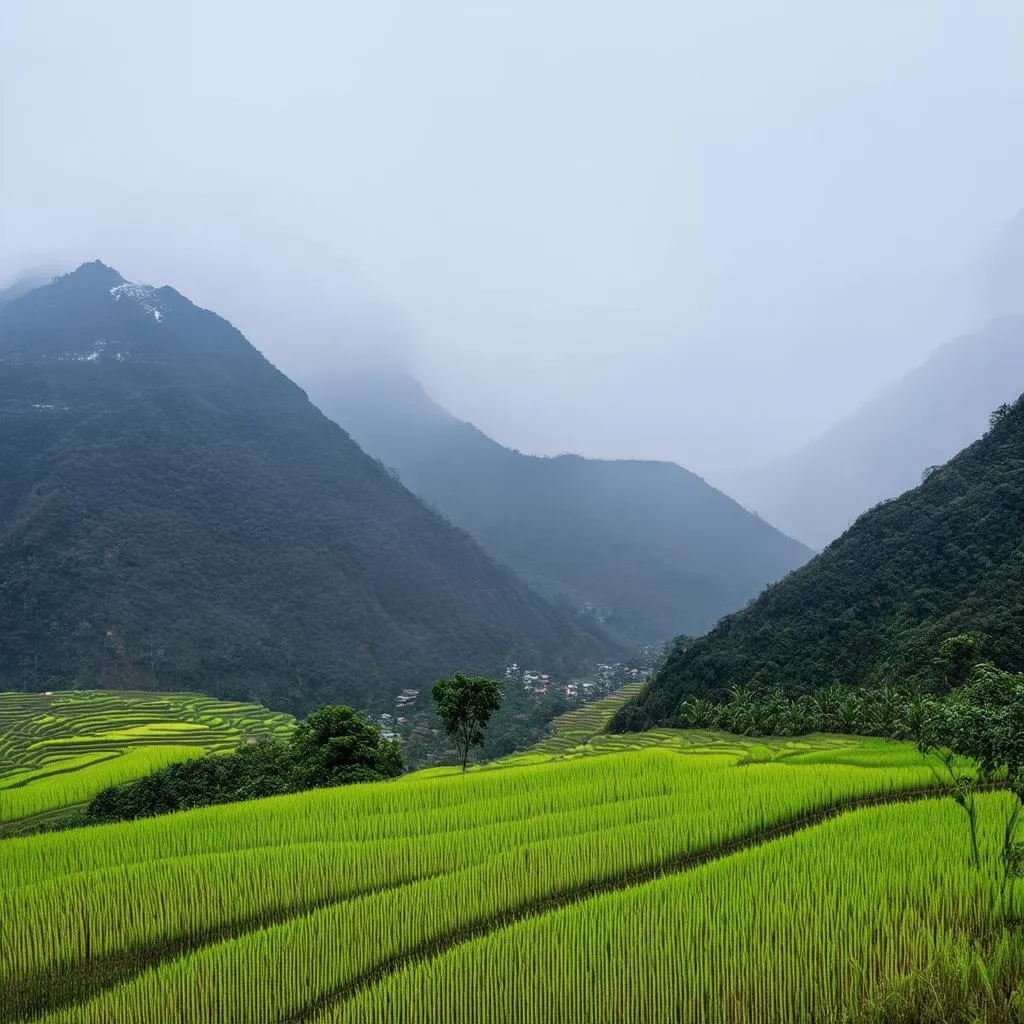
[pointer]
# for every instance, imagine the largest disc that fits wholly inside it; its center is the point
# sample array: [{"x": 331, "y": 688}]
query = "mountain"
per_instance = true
[
  {"x": 175, "y": 514},
  {"x": 942, "y": 559},
  {"x": 883, "y": 449},
  {"x": 649, "y": 548},
  {"x": 1001, "y": 272},
  {"x": 22, "y": 283}
]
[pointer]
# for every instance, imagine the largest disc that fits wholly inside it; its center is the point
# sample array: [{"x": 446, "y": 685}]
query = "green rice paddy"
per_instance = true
[
  {"x": 57, "y": 750},
  {"x": 671, "y": 876}
]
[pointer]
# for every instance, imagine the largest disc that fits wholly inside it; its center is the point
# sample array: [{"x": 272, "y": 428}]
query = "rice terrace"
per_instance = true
[
  {"x": 613, "y": 879},
  {"x": 57, "y": 750}
]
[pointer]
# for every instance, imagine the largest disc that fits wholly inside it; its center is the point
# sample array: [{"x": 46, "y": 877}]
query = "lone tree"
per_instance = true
[{"x": 465, "y": 707}]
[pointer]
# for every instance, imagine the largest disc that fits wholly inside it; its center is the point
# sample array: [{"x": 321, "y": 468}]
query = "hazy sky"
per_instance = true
[{"x": 698, "y": 231}]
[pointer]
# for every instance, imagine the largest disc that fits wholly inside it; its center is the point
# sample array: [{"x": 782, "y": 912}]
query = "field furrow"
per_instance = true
[{"x": 803, "y": 928}]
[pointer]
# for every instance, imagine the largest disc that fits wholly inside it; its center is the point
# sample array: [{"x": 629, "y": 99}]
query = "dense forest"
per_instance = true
[
  {"x": 176, "y": 515},
  {"x": 946, "y": 558},
  {"x": 647, "y": 548}
]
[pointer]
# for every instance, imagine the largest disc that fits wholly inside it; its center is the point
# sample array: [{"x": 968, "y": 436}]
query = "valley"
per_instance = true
[
  {"x": 511, "y": 513},
  {"x": 807, "y": 812}
]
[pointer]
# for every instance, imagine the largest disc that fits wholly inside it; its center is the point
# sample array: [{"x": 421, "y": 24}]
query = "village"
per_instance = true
[{"x": 529, "y": 693}]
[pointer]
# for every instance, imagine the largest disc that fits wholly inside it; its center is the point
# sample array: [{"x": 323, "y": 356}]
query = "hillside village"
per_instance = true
[{"x": 532, "y": 698}]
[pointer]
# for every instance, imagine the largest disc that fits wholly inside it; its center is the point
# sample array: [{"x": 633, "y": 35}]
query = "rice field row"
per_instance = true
[
  {"x": 78, "y": 783},
  {"x": 59, "y": 749},
  {"x": 805, "y": 928},
  {"x": 581, "y": 733},
  {"x": 576, "y": 727},
  {"x": 365, "y": 874}
]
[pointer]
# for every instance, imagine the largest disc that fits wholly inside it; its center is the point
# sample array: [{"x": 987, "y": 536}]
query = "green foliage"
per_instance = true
[
  {"x": 801, "y": 929},
  {"x": 984, "y": 720},
  {"x": 175, "y": 514},
  {"x": 645, "y": 548},
  {"x": 73, "y": 785},
  {"x": 944, "y": 560},
  {"x": 465, "y": 706},
  {"x": 891, "y": 711},
  {"x": 970, "y": 982},
  {"x": 998, "y": 415},
  {"x": 958, "y": 655},
  {"x": 334, "y": 746}
]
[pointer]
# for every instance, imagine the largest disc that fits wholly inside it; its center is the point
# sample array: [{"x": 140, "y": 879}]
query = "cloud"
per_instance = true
[{"x": 669, "y": 229}]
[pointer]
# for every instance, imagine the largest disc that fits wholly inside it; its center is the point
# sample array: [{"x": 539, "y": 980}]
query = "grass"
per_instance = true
[{"x": 268, "y": 906}]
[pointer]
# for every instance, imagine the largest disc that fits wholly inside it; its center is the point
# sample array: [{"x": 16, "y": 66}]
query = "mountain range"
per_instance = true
[
  {"x": 884, "y": 449},
  {"x": 646, "y": 548},
  {"x": 945, "y": 558},
  {"x": 919, "y": 421},
  {"x": 175, "y": 514}
]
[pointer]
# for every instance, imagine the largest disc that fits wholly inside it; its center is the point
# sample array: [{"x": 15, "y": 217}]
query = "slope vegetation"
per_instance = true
[
  {"x": 648, "y": 548},
  {"x": 945, "y": 558},
  {"x": 175, "y": 514}
]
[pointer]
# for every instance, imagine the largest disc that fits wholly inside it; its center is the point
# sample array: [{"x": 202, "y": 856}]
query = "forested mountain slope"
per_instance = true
[
  {"x": 175, "y": 514},
  {"x": 945, "y": 558},
  {"x": 647, "y": 546},
  {"x": 883, "y": 449}
]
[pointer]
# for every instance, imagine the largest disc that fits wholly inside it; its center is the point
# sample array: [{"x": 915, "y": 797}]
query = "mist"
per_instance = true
[{"x": 664, "y": 230}]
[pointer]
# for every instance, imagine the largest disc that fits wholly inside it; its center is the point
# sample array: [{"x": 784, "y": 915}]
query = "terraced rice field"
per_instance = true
[
  {"x": 581, "y": 733},
  {"x": 808, "y": 927},
  {"x": 58, "y": 750},
  {"x": 578, "y": 889},
  {"x": 577, "y": 727}
]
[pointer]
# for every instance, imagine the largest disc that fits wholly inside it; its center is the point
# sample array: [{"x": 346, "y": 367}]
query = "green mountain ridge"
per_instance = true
[
  {"x": 873, "y": 607},
  {"x": 648, "y": 547},
  {"x": 175, "y": 514}
]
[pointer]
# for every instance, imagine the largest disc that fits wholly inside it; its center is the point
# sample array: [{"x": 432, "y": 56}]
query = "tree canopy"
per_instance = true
[
  {"x": 943, "y": 560},
  {"x": 465, "y": 706}
]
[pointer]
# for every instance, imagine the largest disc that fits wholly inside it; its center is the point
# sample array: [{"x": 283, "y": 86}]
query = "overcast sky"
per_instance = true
[{"x": 688, "y": 230}]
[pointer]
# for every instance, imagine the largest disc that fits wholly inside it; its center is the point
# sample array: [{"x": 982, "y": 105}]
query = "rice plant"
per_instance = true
[
  {"x": 809, "y": 927},
  {"x": 59, "y": 749},
  {"x": 365, "y": 874}
]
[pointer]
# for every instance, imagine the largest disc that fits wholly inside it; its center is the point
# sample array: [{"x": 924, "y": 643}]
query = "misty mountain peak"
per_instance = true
[
  {"x": 1003, "y": 271},
  {"x": 647, "y": 548},
  {"x": 93, "y": 273}
]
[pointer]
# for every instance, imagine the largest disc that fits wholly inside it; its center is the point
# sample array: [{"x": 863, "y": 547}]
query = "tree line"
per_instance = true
[
  {"x": 891, "y": 710},
  {"x": 334, "y": 746},
  {"x": 972, "y": 735}
]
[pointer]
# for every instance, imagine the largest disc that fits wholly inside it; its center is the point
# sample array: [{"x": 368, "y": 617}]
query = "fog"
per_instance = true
[{"x": 663, "y": 229}]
